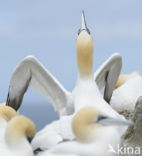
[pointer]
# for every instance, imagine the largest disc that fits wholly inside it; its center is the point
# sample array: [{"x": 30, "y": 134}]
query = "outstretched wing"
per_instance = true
[
  {"x": 31, "y": 73},
  {"x": 108, "y": 74}
]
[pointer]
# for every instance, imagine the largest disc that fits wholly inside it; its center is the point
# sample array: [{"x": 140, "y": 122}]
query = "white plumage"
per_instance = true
[
  {"x": 125, "y": 96},
  {"x": 13, "y": 141},
  {"x": 53, "y": 134},
  {"x": 94, "y": 132}
]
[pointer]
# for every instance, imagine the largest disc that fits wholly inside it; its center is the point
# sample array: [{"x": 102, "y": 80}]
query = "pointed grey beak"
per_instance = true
[
  {"x": 108, "y": 121},
  {"x": 83, "y": 25}
]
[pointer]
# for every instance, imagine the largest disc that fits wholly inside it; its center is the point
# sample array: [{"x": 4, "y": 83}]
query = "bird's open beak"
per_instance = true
[{"x": 108, "y": 121}]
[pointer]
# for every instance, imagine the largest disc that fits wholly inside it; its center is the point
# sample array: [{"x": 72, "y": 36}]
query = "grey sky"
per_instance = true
[{"x": 47, "y": 30}]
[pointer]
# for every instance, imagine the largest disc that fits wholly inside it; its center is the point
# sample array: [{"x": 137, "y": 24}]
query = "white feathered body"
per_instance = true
[
  {"x": 3, "y": 124},
  {"x": 54, "y": 133},
  {"x": 125, "y": 97},
  {"x": 100, "y": 147},
  {"x": 22, "y": 148},
  {"x": 85, "y": 94}
]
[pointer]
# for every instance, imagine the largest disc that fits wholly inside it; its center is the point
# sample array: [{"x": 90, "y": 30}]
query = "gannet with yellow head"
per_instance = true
[
  {"x": 127, "y": 90},
  {"x": 31, "y": 73},
  {"x": 94, "y": 132},
  {"x": 84, "y": 48},
  {"x": 88, "y": 123},
  {"x": 16, "y": 132},
  {"x": 86, "y": 92},
  {"x": 125, "y": 77}
]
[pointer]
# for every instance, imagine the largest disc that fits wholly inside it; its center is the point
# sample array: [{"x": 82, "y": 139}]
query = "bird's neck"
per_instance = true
[
  {"x": 2, "y": 121},
  {"x": 3, "y": 124},
  {"x": 85, "y": 64},
  {"x": 15, "y": 132},
  {"x": 86, "y": 133},
  {"x": 19, "y": 145},
  {"x": 13, "y": 138},
  {"x": 85, "y": 58}
]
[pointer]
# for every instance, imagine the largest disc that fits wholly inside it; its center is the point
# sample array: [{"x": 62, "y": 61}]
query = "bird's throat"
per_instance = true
[{"x": 85, "y": 57}]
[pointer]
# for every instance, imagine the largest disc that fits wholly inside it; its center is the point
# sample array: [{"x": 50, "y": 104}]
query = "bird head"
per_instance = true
[
  {"x": 19, "y": 127},
  {"x": 7, "y": 113},
  {"x": 84, "y": 48},
  {"x": 89, "y": 121}
]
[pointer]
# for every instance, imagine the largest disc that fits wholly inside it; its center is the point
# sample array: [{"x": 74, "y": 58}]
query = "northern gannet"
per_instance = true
[
  {"x": 94, "y": 132},
  {"x": 31, "y": 73},
  {"x": 128, "y": 90},
  {"x": 16, "y": 136},
  {"x": 125, "y": 77}
]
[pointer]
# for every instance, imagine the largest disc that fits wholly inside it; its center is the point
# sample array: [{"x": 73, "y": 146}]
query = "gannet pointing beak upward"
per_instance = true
[{"x": 84, "y": 48}]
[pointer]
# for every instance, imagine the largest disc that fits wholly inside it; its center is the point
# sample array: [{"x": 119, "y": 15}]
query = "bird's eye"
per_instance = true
[
  {"x": 79, "y": 31},
  {"x": 100, "y": 117}
]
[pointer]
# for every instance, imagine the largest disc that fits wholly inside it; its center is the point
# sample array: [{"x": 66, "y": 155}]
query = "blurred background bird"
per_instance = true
[
  {"x": 93, "y": 131},
  {"x": 127, "y": 91},
  {"x": 16, "y": 133}
]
